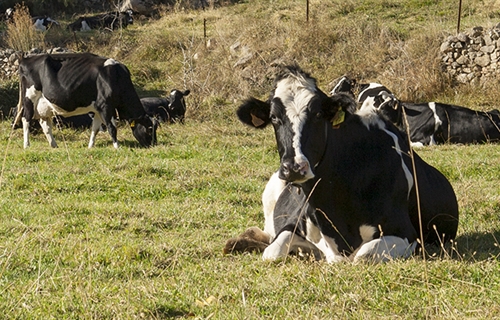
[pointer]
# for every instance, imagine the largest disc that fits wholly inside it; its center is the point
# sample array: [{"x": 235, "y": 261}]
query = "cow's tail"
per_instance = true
[{"x": 19, "y": 108}]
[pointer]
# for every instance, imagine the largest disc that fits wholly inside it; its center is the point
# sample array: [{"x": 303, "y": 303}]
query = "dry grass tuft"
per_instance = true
[{"x": 21, "y": 35}]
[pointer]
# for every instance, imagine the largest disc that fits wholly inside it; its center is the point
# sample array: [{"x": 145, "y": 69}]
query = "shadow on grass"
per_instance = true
[
  {"x": 471, "y": 247},
  {"x": 169, "y": 312}
]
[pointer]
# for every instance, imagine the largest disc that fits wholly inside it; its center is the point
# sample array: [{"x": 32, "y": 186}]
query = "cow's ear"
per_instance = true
[
  {"x": 338, "y": 106},
  {"x": 187, "y": 92},
  {"x": 254, "y": 112}
]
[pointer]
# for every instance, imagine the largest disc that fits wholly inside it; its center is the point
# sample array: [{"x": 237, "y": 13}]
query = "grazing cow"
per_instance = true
[
  {"x": 171, "y": 109},
  {"x": 344, "y": 187},
  {"x": 433, "y": 122},
  {"x": 110, "y": 21},
  {"x": 44, "y": 23},
  {"x": 73, "y": 84}
]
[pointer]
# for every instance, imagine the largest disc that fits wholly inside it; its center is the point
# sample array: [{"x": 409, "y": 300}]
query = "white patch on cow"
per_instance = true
[
  {"x": 384, "y": 249},
  {"x": 46, "y": 109},
  {"x": 372, "y": 85},
  {"x": 406, "y": 170},
  {"x": 337, "y": 86},
  {"x": 281, "y": 246},
  {"x": 368, "y": 114},
  {"x": 437, "y": 121},
  {"x": 85, "y": 26},
  {"x": 417, "y": 144},
  {"x": 39, "y": 25},
  {"x": 325, "y": 244},
  {"x": 273, "y": 190},
  {"x": 110, "y": 62},
  {"x": 295, "y": 93},
  {"x": 287, "y": 242}
]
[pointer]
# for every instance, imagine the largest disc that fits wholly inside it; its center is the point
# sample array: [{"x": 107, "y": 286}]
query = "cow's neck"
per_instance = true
[{"x": 323, "y": 167}]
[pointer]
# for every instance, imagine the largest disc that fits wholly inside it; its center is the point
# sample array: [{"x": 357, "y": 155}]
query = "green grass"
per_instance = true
[{"x": 138, "y": 233}]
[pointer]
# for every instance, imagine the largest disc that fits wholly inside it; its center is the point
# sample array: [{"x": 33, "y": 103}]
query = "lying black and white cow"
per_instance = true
[
  {"x": 40, "y": 23},
  {"x": 110, "y": 21},
  {"x": 171, "y": 109},
  {"x": 433, "y": 122},
  {"x": 44, "y": 23},
  {"x": 345, "y": 187},
  {"x": 79, "y": 83}
]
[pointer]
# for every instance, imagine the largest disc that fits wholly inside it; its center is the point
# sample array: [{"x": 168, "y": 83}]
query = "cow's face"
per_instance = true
[
  {"x": 300, "y": 114},
  {"x": 177, "y": 105},
  {"x": 386, "y": 105},
  {"x": 144, "y": 130}
]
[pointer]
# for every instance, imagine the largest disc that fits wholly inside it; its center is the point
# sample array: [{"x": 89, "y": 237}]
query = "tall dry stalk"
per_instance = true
[{"x": 21, "y": 35}]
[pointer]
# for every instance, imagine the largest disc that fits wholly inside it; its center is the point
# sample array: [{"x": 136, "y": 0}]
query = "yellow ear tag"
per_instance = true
[
  {"x": 132, "y": 124},
  {"x": 338, "y": 118}
]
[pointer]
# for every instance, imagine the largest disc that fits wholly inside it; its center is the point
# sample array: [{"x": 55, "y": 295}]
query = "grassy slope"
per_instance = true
[{"x": 135, "y": 233}]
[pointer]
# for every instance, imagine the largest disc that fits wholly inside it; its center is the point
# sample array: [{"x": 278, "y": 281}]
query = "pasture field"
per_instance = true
[{"x": 138, "y": 233}]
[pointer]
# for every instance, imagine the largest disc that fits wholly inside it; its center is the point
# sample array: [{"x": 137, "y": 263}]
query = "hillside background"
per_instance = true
[{"x": 228, "y": 51}]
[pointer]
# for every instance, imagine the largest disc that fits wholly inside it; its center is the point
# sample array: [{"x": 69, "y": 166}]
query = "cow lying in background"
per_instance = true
[
  {"x": 345, "y": 189},
  {"x": 171, "y": 109},
  {"x": 433, "y": 122},
  {"x": 44, "y": 23},
  {"x": 109, "y": 21},
  {"x": 40, "y": 23},
  {"x": 74, "y": 84}
]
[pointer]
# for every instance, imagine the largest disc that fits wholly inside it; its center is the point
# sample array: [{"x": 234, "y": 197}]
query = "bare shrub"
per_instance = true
[{"x": 21, "y": 35}]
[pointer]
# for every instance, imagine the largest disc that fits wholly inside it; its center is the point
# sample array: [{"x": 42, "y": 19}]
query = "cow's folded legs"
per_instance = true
[{"x": 384, "y": 249}]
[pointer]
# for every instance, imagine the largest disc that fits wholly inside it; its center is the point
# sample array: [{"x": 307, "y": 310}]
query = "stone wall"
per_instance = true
[
  {"x": 9, "y": 61},
  {"x": 473, "y": 56}
]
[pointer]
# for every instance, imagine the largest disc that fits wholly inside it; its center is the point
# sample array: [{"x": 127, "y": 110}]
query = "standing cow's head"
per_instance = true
[
  {"x": 144, "y": 130},
  {"x": 177, "y": 105},
  {"x": 301, "y": 115}
]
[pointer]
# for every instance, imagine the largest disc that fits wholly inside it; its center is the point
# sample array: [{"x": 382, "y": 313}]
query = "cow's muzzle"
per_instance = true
[{"x": 292, "y": 171}]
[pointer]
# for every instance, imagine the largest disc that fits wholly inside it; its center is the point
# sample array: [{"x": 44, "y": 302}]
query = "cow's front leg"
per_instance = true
[
  {"x": 46, "y": 125},
  {"x": 285, "y": 243}
]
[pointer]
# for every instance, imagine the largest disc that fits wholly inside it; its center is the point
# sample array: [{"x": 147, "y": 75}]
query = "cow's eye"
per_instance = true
[
  {"x": 274, "y": 119},
  {"x": 319, "y": 115}
]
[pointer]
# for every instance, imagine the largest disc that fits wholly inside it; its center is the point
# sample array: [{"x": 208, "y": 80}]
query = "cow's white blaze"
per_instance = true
[
  {"x": 295, "y": 92},
  {"x": 437, "y": 121}
]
